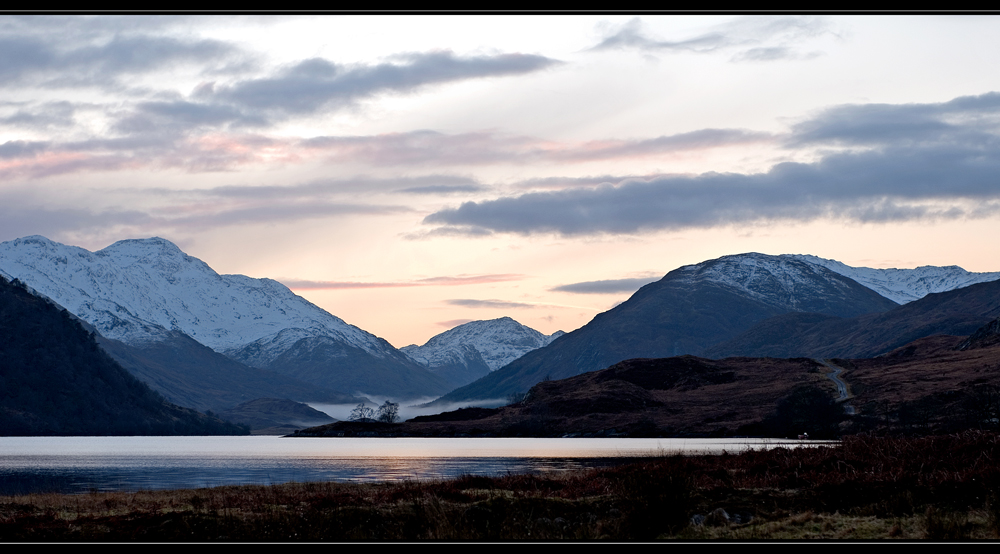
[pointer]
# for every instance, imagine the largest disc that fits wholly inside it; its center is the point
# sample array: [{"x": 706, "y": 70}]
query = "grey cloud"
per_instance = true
[
  {"x": 754, "y": 38},
  {"x": 607, "y": 286},
  {"x": 20, "y": 214},
  {"x": 444, "y": 189},
  {"x": 23, "y": 55},
  {"x": 18, "y": 219},
  {"x": 422, "y": 147},
  {"x": 947, "y": 153},
  {"x": 36, "y": 169},
  {"x": 22, "y": 148},
  {"x": 632, "y": 35},
  {"x": 304, "y": 88},
  {"x": 454, "y": 322},
  {"x": 443, "y": 281},
  {"x": 29, "y": 57},
  {"x": 182, "y": 115},
  {"x": 971, "y": 119},
  {"x": 77, "y": 28},
  {"x": 694, "y": 140},
  {"x": 277, "y": 213},
  {"x": 431, "y": 147},
  {"x": 568, "y": 182},
  {"x": 503, "y": 304},
  {"x": 423, "y": 184},
  {"x": 42, "y": 117},
  {"x": 161, "y": 147},
  {"x": 166, "y": 134},
  {"x": 143, "y": 53},
  {"x": 464, "y": 231},
  {"x": 765, "y": 54},
  {"x": 317, "y": 83},
  {"x": 867, "y": 187}
]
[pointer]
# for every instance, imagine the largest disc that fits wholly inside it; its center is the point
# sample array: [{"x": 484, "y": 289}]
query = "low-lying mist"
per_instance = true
[{"x": 411, "y": 409}]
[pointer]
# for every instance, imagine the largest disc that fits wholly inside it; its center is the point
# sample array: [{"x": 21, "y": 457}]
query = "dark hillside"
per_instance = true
[
  {"x": 193, "y": 375},
  {"x": 957, "y": 312},
  {"x": 55, "y": 380}
]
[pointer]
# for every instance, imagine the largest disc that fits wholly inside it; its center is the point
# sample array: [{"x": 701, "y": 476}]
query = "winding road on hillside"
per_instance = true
[{"x": 834, "y": 376}]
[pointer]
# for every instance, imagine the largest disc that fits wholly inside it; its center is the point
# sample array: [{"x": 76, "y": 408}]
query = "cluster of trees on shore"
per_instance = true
[{"x": 388, "y": 412}]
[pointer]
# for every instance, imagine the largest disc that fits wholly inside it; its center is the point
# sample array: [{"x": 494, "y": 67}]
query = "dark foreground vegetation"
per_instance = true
[{"x": 944, "y": 488}]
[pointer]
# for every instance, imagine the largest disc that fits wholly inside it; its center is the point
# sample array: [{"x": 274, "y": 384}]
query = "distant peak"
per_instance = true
[
  {"x": 151, "y": 241},
  {"x": 34, "y": 239},
  {"x": 504, "y": 319},
  {"x": 156, "y": 245},
  {"x": 734, "y": 258}
]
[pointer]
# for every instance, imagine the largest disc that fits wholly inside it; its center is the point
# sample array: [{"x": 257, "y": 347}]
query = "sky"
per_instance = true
[{"x": 412, "y": 173}]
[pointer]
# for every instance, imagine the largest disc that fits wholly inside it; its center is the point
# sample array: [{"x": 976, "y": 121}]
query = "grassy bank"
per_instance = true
[{"x": 945, "y": 488}]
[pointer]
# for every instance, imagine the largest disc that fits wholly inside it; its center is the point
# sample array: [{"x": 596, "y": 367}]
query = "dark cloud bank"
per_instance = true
[{"x": 884, "y": 163}]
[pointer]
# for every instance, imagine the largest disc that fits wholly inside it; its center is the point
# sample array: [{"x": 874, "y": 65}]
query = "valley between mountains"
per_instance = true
[{"x": 736, "y": 345}]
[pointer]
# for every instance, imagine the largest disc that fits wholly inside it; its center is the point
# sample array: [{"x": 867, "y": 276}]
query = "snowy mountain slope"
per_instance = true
[
  {"x": 143, "y": 292},
  {"x": 133, "y": 288},
  {"x": 469, "y": 351},
  {"x": 782, "y": 282},
  {"x": 904, "y": 285},
  {"x": 497, "y": 342}
]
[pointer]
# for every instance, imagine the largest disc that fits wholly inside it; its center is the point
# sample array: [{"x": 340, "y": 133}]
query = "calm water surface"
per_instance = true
[{"x": 82, "y": 464}]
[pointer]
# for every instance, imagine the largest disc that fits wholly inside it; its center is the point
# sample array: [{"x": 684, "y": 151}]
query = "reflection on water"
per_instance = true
[{"x": 81, "y": 464}]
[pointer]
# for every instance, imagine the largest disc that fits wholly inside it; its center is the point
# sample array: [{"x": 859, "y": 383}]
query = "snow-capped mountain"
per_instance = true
[
  {"x": 139, "y": 291},
  {"x": 471, "y": 350},
  {"x": 691, "y": 309},
  {"x": 783, "y": 282},
  {"x": 495, "y": 343},
  {"x": 133, "y": 289},
  {"x": 904, "y": 285}
]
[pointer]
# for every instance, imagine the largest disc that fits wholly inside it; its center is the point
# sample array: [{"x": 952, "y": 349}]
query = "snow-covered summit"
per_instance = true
[
  {"x": 497, "y": 341},
  {"x": 785, "y": 283},
  {"x": 785, "y": 277},
  {"x": 135, "y": 289},
  {"x": 904, "y": 285}
]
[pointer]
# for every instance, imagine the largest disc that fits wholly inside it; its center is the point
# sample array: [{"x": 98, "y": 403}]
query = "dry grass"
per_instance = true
[{"x": 940, "y": 488}]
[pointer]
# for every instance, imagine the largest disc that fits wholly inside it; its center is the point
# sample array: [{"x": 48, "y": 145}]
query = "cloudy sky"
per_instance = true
[{"x": 412, "y": 173}]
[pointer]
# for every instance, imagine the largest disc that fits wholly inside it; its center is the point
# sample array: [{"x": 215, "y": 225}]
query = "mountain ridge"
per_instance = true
[
  {"x": 905, "y": 285},
  {"x": 685, "y": 312},
  {"x": 143, "y": 292},
  {"x": 139, "y": 291}
]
